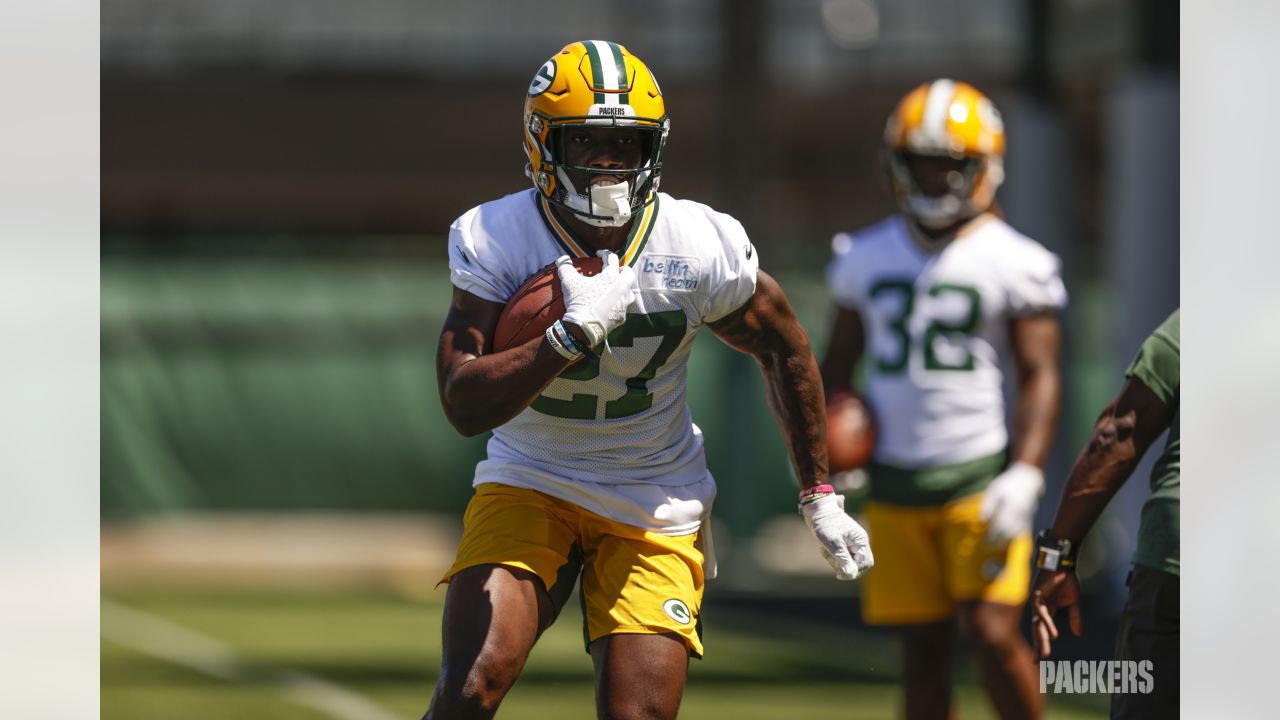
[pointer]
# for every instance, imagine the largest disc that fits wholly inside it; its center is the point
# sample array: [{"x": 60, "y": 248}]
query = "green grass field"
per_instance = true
[{"x": 197, "y": 653}]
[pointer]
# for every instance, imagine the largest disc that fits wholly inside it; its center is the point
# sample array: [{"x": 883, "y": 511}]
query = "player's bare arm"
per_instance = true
[
  {"x": 480, "y": 389},
  {"x": 1037, "y": 350},
  {"x": 1009, "y": 504},
  {"x": 1121, "y": 436},
  {"x": 767, "y": 328},
  {"x": 847, "y": 342}
]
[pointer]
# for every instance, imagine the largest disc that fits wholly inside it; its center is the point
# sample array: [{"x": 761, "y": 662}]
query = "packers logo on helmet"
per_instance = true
[
  {"x": 543, "y": 79},
  {"x": 949, "y": 119},
  {"x": 594, "y": 83}
]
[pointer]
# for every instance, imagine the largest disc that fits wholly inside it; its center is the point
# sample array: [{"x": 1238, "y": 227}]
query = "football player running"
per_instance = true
[
  {"x": 935, "y": 298},
  {"x": 595, "y": 468}
]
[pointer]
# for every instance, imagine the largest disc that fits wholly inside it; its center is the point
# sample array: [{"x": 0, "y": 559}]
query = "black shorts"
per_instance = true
[{"x": 1149, "y": 631}]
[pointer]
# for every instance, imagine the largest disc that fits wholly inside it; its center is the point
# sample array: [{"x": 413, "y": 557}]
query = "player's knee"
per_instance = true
[
  {"x": 475, "y": 692},
  {"x": 992, "y": 632},
  {"x": 468, "y": 702},
  {"x": 650, "y": 708}
]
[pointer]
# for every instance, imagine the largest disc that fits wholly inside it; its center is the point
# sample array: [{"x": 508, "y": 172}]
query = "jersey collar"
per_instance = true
[
  {"x": 641, "y": 228},
  {"x": 928, "y": 247}
]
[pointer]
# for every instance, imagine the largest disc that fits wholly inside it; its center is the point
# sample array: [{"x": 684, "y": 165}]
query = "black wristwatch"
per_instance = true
[{"x": 1054, "y": 554}]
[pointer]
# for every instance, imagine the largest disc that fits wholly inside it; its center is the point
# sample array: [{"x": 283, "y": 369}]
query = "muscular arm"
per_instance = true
[
  {"x": 1121, "y": 436},
  {"x": 1037, "y": 348},
  {"x": 481, "y": 389},
  {"x": 766, "y": 328},
  {"x": 845, "y": 346}
]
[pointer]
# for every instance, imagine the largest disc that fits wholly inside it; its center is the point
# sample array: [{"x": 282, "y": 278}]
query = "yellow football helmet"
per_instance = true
[
  {"x": 596, "y": 83},
  {"x": 945, "y": 118}
]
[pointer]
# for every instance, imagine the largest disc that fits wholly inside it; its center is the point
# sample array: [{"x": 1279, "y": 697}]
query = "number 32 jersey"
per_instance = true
[
  {"x": 937, "y": 326},
  {"x": 614, "y": 436}
]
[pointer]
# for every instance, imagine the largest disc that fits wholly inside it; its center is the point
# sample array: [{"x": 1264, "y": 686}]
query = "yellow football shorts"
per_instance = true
[
  {"x": 930, "y": 558},
  {"x": 633, "y": 581}
]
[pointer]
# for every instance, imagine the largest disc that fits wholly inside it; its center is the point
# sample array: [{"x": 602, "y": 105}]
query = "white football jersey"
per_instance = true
[
  {"x": 937, "y": 326},
  {"x": 613, "y": 436}
]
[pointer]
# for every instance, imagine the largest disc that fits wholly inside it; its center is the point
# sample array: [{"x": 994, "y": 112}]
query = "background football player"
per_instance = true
[
  {"x": 935, "y": 298},
  {"x": 595, "y": 468}
]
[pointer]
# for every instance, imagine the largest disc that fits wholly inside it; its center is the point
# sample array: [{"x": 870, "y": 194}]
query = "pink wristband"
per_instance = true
[{"x": 816, "y": 491}]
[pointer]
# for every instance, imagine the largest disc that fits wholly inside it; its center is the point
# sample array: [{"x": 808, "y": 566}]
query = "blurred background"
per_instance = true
[{"x": 280, "y": 490}]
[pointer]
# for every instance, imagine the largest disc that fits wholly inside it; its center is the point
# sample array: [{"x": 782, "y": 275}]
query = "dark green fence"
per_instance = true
[{"x": 283, "y": 384}]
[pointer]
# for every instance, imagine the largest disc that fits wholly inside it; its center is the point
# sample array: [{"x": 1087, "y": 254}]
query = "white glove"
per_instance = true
[
  {"x": 842, "y": 540},
  {"x": 1010, "y": 502},
  {"x": 597, "y": 304}
]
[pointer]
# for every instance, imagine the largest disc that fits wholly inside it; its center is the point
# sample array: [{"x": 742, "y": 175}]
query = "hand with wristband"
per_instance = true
[
  {"x": 564, "y": 343},
  {"x": 1056, "y": 587},
  {"x": 843, "y": 542}
]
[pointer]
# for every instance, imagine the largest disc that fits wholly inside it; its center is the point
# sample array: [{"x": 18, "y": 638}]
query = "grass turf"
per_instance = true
[{"x": 386, "y": 648}]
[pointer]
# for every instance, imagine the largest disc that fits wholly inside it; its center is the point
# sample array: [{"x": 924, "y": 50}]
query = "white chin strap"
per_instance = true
[{"x": 610, "y": 205}]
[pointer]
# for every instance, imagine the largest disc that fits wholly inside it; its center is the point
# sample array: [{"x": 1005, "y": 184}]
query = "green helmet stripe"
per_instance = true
[{"x": 597, "y": 70}]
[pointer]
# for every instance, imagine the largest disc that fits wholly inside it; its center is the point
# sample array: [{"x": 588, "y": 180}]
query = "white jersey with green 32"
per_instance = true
[
  {"x": 937, "y": 328},
  {"x": 615, "y": 435}
]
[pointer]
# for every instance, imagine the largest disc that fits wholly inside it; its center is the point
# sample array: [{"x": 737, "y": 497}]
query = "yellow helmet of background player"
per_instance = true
[
  {"x": 595, "y": 83},
  {"x": 945, "y": 118}
]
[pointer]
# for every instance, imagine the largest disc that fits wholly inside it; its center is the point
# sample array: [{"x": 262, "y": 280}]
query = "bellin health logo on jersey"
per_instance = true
[{"x": 672, "y": 273}]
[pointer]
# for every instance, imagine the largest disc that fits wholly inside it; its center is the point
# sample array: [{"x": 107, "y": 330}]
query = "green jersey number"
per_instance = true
[
  {"x": 896, "y": 361},
  {"x": 669, "y": 325}
]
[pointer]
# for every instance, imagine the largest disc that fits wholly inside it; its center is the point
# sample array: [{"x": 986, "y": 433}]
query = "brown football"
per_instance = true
[
  {"x": 535, "y": 305},
  {"x": 851, "y": 432}
]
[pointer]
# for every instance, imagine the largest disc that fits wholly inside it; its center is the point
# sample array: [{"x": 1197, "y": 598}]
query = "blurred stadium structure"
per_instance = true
[{"x": 278, "y": 178}]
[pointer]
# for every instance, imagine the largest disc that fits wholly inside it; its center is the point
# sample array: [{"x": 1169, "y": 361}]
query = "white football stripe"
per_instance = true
[
  {"x": 160, "y": 638},
  {"x": 934, "y": 123},
  {"x": 608, "y": 66}
]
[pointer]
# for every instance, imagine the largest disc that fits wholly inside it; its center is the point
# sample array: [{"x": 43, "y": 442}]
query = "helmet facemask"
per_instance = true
[
  {"x": 954, "y": 195},
  {"x": 603, "y": 204}
]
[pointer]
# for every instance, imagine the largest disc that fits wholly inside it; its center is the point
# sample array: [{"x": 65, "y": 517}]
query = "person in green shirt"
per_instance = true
[{"x": 1146, "y": 406}]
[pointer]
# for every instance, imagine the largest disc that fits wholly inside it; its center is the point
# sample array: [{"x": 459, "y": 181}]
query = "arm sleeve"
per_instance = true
[
  {"x": 842, "y": 275},
  {"x": 466, "y": 269},
  {"x": 1157, "y": 363},
  {"x": 1035, "y": 285},
  {"x": 733, "y": 270}
]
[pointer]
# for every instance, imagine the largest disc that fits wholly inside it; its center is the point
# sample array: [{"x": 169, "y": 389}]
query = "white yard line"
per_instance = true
[{"x": 160, "y": 638}]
